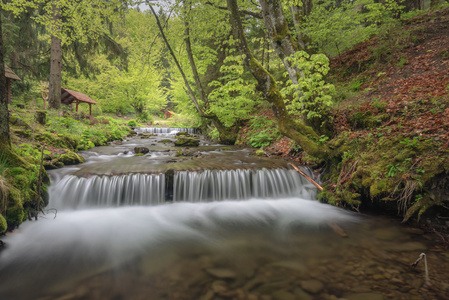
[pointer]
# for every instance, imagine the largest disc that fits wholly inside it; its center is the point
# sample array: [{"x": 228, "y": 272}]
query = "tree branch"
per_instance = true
[{"x": 242, "y": 11}]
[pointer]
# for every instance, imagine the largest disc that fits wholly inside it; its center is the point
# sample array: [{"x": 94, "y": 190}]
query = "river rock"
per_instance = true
[
  {"x": 283, "y": 295},
  {"x": 301, "y": 294},
  {"x": 143, "y": 150},
  {"x": 407, "y": 247},
  {"x": 187, "y": 142},
  {"x": 365, "y": 296},
  {"x": 312, "y": 286},
  {"x": 222, "y": 273}
]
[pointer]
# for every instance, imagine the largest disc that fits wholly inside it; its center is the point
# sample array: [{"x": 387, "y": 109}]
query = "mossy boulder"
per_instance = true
[
  {"x": 16, "y": 121},
  {"x": 260, "y": 152},
  {"x": 71, "y": 158},
  {"x": 141, "y": 150},
  {"x": 183, "y": 133},
  {"x": 165, "y": 141},
  {"x": 187, "y": 142}
]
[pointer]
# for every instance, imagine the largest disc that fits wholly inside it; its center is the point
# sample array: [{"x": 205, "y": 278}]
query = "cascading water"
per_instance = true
[
  {"x": 168, "y": 130},
  {"x": 215, "y": 185},
  {"x": 108, "y": 191},
  {"x": 109, "y": 239}
]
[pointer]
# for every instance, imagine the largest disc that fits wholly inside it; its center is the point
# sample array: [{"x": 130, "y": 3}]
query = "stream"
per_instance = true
[{"x": 213, "y": 223}]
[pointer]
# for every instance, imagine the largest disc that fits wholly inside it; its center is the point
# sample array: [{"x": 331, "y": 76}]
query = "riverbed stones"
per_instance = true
[
  {"x": 141, "y": 150},
  {"x": 187, "y": 142},
  {"x": 312, "y": 286},
  {"x": 407, "y": 247},
  {"x": 365, "y": 296},
  {"x": 222, "y": 273}
]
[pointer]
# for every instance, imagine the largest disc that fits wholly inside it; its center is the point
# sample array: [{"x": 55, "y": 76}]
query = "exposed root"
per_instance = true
[{"x": 406, "y": 195}]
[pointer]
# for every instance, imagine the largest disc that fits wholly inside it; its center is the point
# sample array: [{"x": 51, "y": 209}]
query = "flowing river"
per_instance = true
[{"x": 214, "y": 223}]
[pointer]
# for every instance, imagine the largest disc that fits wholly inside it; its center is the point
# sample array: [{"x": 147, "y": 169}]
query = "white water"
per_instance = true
[
  {"x": 219, "y": 185},
  {"x": 114, "y": 235},
  {"x": 72, "y": 192},
  {"x": 170, "y": 130}
]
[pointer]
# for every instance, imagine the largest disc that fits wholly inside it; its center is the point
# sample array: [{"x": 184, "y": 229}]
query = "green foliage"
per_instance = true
[
  {"x": 3, "y": 224},
  {"x": 337, "y": 26},
  {"x": 233, "y": 97},
  {"x": 132, "y": 123},
  {"x": 262, "y": 132},
  {"x": 312, "y": 95}
]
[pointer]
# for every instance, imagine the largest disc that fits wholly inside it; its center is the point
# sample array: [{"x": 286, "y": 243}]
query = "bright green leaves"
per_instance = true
[
  {"x": 312, "y": 95},
  {"x": 234, "y": 97}
]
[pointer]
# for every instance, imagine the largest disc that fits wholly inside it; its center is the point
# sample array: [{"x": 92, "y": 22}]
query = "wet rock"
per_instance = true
[
  {"x": 301, "y": 294},
  {"x": 283, "y": 295},
  {"x": 294, "y": 265},
  {"x": 386, "y": 234},
  {"x": 183, "y": 133},
  {"x": 143, "y": 150},
  {"x": 407, "y": 247},
  {"x": 416, "y": 231},
  {"x": 187, "y": 142},
  {"x": 219, "y": 286},
  {"x": 222, "y": 273},
  {"x": 365, "y": 296},
  {"x": 165, "y": 141},
  {"x": 312, "y": 286}
]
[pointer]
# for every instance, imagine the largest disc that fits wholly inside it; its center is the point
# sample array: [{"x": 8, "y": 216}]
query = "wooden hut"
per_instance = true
[
  {"x": 168, "y": 114},
  {"x": 10, "y": 76},
  {"x": 69, "y": 97}
]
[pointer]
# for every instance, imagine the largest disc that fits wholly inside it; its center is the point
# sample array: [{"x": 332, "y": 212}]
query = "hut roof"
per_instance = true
[
  {"x": 68, "y": 96},
  {"x": 10, "y": 74}
]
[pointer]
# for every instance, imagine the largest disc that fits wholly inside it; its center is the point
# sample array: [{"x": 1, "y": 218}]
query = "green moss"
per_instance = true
[
  {"x": 260, "y": 152},
  {"x": 70, "y": 158},
  {"x": 139, "y": 154},
  {"x": 3, "y": 224},
  {"x": 165, "y": 141}
]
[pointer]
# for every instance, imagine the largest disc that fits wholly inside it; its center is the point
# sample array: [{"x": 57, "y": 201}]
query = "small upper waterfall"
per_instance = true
[
  {"x": 215, "y": 185},
  {"x": 106, "y": 191},
  {"x": 164, "y": 130}
]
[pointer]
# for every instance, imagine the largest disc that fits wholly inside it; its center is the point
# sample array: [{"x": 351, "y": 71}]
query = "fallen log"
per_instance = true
[{"x": 306, "y": 177}]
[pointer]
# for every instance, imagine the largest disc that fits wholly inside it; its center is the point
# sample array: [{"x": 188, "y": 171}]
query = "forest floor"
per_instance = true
[{"x": 391, "y": 122}]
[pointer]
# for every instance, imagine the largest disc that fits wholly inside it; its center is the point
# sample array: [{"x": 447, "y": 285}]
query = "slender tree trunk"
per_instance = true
[
  {"x": 5, "y": 141},
  {"x": 226, "y": 137},
  {"x": 54, "y": 95},
  {"x": 297, "y": 131}
]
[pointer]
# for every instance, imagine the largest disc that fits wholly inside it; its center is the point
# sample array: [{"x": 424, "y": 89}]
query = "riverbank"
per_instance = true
[
  {"x": 390, "y": 125},
  {"x": 44, "y": 140}
]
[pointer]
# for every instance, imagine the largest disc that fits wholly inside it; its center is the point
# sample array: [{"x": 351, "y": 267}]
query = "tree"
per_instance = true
[
  {"x": 68, "y": 21},
  {"x": 226, "y": 136},
  {"x": 5, "y": 142},
  {"x": 302, "y": 134}
]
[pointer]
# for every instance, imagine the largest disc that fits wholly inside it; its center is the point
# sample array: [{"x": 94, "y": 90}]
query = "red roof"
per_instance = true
[{"x": 68, "y": 96}]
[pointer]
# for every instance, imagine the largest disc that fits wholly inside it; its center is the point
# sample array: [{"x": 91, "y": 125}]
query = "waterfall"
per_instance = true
[
  {"x": 164, "y": 130},
  {"x": 107, "y": 191},
  {"x": 216, "y": 185},
  {"x": 73, "y": 192}
]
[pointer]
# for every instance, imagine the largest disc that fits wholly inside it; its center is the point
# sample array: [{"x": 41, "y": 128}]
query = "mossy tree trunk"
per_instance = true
[
  {"x": 54, "y": 94},
  {"x": 5, "y": 141},
  {"x": 302, "y": 134}
]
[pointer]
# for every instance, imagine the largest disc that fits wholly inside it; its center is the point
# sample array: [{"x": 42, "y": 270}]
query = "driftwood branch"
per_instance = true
[{"x": 306, "y": 177}]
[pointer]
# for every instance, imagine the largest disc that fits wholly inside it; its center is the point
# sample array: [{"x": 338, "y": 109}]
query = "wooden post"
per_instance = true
[
  {"x": 90, "y": 109},
  {"x": 77, "y": 102}
]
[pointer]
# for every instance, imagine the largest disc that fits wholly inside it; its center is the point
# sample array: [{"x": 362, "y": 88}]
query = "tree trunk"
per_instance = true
[
  {"x": 226, "y": 136},
  {"x": 303, "y": 135},
  {"x": 281, "y": 38},
  {"x": 54, "y": 95},
  {"x": 5, "y": 141},
  {"x": 298, "y": 16}
]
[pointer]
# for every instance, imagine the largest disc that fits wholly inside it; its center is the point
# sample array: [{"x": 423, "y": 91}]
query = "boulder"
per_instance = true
[
  {"x": 187, "y": 142},
  {"x": 142, "y": 150}
]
